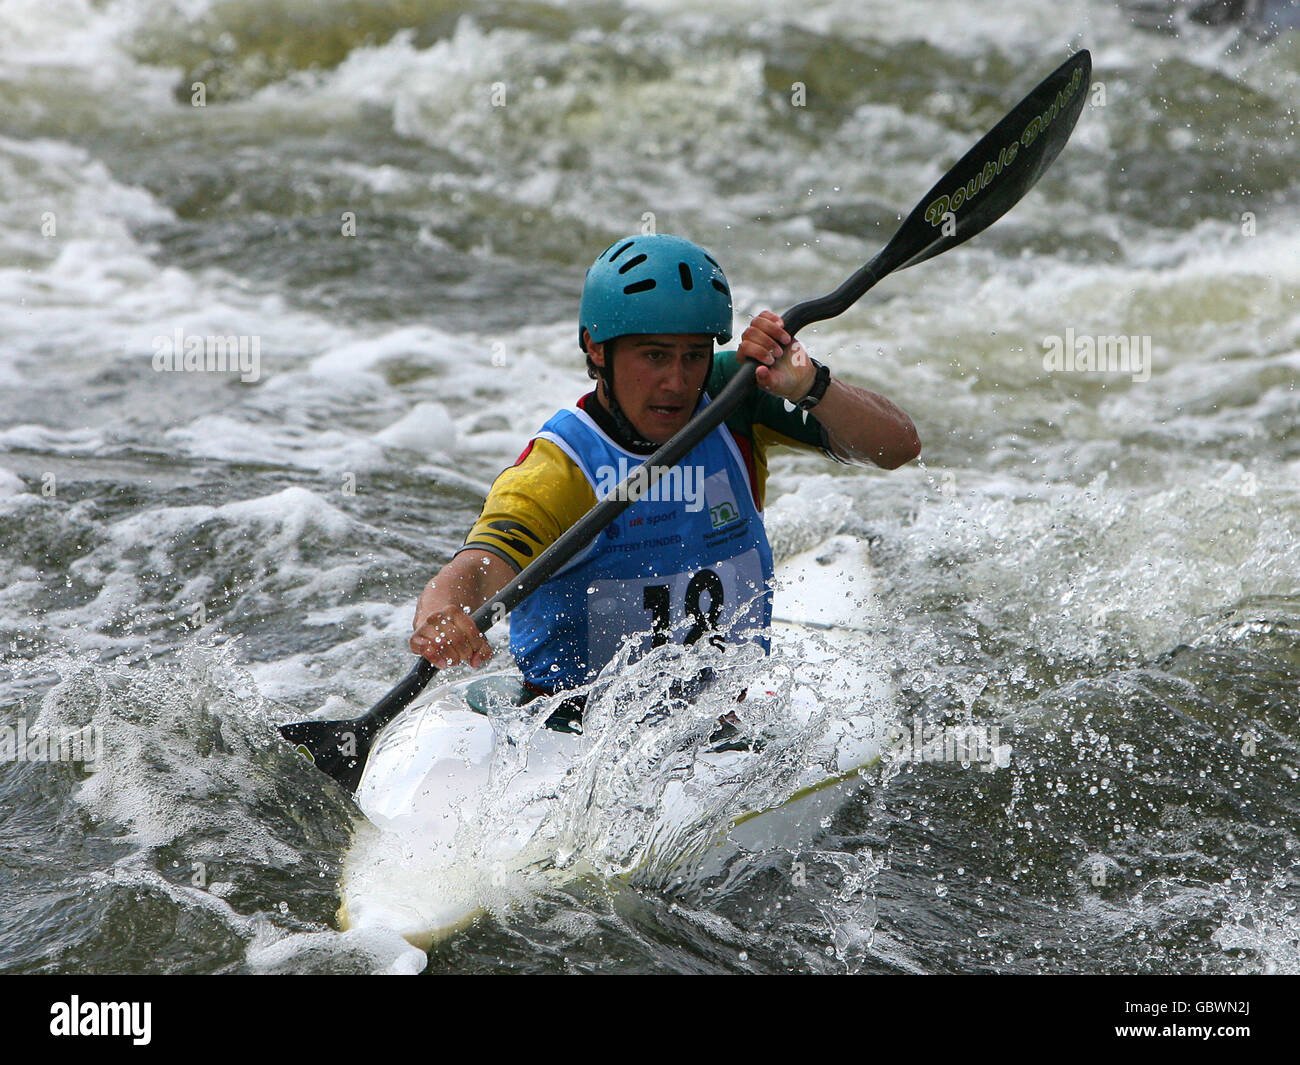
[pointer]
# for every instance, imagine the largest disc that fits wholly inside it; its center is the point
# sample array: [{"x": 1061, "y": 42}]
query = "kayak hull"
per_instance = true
[{"x": 462, "y": 803}]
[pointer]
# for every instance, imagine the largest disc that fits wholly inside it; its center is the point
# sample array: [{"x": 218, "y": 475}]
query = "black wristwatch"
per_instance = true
[{"x": 820, "y": 383}]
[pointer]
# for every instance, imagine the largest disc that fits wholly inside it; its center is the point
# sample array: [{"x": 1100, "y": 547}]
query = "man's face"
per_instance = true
[{"x": 657, "y": 379}]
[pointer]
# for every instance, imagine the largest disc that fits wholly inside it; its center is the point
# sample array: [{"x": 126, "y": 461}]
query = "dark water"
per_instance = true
[{"x": 1102, "y": 565}]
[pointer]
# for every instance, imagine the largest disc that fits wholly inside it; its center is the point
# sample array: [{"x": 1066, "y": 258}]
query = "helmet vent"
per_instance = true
[
  {"x": 721, "y": 287},
  {"x": 621, "y": 250},
  {"x": 639, "y": 286},
  {"x": 636, "y": 260},
  {"x": 688, "y": 282}
]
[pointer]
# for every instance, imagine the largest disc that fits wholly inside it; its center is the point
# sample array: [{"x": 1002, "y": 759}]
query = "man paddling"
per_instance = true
[{"x": 690, "y": 557}]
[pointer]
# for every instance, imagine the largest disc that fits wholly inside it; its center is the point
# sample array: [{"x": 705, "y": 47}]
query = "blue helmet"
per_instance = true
[{"x": 654, "y": 283}]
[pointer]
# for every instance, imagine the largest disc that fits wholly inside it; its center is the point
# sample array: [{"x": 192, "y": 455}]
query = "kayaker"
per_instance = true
[{"x": 692, "y": 557}]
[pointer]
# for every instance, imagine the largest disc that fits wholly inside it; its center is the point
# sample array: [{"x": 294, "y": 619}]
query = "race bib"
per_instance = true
[{"x": 717, "y": 602}]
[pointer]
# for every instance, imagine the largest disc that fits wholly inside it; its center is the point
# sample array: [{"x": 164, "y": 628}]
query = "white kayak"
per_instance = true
[{"x": 471, "y": 799}]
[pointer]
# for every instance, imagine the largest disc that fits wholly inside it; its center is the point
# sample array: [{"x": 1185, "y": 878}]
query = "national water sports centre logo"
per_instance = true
[
  {"x": 722, "y": 500},
  {"x": 723, "y": 514}
]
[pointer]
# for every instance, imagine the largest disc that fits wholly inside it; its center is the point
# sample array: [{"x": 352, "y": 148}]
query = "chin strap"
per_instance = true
[{"x": 625, "y": 427}]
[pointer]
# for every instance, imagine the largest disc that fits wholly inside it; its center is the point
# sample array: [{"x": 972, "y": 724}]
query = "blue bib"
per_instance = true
[{"x": 688, "y": 560}]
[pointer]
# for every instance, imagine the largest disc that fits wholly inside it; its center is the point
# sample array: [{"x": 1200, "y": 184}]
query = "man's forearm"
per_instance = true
[
  {"x": 468, "y": 581},
  {"x": 445, "y": 633},
  {"x": 864, "y": 426}
]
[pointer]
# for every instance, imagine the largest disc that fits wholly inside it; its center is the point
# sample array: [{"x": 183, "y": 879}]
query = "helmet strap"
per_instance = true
[{"x": 625, "y": 426}]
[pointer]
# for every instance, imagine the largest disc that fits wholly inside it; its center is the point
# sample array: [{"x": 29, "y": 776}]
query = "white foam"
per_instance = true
[
  {"x": 53, "y": 441},
  {"x": 426, "y": 428},
  {"x": 11, "y": 484},
  {"x": 415, "y": 345},
  {"x": 376, "y": 950}
]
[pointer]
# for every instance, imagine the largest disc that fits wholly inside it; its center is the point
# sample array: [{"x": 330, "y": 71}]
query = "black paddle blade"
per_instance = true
[
  {"x": 984, "y": 185},
  {"x": 994, "y": 176},
  {"x": 332, "y": 747},
  {"x": 340, "y": 748}
]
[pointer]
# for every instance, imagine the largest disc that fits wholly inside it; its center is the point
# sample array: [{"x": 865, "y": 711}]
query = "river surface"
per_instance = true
[{"x": 393, "y": 204}]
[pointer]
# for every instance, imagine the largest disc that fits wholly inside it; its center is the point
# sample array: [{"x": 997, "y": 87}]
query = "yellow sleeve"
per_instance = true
[{"x": 530, "y": 505}]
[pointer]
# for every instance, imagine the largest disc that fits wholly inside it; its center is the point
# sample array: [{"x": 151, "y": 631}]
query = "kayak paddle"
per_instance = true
[{"x": 987, "y": 182}]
